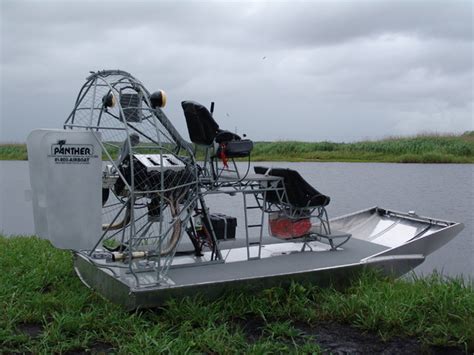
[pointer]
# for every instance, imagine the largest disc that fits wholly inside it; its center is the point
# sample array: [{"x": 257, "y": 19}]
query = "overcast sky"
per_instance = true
[{"x": 319, "y": 70}]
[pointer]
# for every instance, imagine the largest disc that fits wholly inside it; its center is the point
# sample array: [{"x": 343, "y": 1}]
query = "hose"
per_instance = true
[
  {"x": 125, "y": 221},
  {"x": 174, "y": 209}
]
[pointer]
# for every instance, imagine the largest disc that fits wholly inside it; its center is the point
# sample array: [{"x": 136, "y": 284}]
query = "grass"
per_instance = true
[
  {"x": 40, "y": 289},
  {"x": 417, "y": 149},
  {"x": 13, "y": 151},
  {"x": 426, "y": 148}
]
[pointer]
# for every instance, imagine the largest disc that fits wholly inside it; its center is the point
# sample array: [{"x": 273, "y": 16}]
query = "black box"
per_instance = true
[
  {"x": 221, "y": 222},
  {"x": 237, "y": 149}
]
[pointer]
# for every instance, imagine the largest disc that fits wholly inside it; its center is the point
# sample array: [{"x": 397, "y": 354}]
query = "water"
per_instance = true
[{"x": 434, "y": 190}]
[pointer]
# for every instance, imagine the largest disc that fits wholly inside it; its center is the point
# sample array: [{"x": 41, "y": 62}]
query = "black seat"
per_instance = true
[
  {"x": 299, "y": 192},
  {"x": 204, "y": 130},
  {"x": 300, "y": 203}
]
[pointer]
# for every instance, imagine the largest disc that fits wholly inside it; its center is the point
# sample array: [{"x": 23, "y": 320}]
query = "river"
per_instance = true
[{"x": 434, "y": 190}]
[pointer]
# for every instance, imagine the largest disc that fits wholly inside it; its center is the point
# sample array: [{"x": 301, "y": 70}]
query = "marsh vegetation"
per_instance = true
[{"x": 427, "y": 148}]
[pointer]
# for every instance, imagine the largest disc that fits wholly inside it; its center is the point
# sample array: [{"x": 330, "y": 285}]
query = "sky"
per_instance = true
[{"x": 314, "y": 70}]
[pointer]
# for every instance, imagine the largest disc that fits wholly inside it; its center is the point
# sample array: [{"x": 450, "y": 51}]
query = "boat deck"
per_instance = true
[
  {"x": 353, "y": 251},
  {"x": 277, "y": 258}
]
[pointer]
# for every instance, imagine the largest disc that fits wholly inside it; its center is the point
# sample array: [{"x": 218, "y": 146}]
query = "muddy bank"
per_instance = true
[{"x": 342, "y": 339}]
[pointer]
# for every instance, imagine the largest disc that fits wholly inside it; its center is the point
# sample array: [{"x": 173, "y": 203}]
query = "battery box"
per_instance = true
[{"x": 224, "y": 226}]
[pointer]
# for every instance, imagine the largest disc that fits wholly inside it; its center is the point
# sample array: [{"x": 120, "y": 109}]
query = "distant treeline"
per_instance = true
[{"x": 425, "y": 148}]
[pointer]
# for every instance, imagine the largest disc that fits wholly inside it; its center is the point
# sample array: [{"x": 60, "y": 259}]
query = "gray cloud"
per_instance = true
[
  {"x": 277, "y": 70},
  {"x": 337, "y": 22}
]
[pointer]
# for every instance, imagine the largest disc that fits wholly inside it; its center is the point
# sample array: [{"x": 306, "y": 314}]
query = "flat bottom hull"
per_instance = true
[
  {"x": 133, "y": 298},
  {"x": 320, "y": 266}
]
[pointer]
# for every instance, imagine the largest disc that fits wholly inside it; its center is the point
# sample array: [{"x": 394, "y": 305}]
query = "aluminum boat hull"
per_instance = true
[{"x": 391, "y": 242}]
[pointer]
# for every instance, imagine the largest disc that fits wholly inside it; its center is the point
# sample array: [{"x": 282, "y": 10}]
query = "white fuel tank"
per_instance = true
[{"x": 65, "y": 175}]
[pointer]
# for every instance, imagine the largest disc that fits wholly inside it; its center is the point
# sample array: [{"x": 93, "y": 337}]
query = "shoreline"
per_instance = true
[
  {"x": 421, "y": 149},
  {"x": 316, "y": 161}
]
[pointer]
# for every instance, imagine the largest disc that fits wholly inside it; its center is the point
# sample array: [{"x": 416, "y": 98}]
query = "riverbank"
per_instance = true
[
  {"x": 416, "y": 149},
  {"x": 46, "y": 309}
]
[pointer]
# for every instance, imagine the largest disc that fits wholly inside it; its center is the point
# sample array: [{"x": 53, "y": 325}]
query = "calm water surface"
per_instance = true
[{"x": 434, "y": 190}]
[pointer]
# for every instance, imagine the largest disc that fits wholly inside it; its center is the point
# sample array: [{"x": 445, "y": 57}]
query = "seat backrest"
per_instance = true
[
  {"x": 202, "y": 127},
  {"x": 271, "y": 195},
  {"x": 299, "y": 192}
]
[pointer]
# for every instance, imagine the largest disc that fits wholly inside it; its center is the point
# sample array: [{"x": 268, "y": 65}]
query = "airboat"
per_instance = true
[{"x": 120, "y": 187}]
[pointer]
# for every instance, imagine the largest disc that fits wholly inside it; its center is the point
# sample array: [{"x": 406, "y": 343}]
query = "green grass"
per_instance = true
[
  {"x": 427, "y": 148},
  {"x": 418, "y": 149},
  {"x": 13, "y": 151},
  {"x": 38, "y": 286}
]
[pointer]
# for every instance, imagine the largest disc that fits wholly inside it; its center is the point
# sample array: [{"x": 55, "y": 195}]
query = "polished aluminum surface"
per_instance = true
[{"x": 282, "y": 262}]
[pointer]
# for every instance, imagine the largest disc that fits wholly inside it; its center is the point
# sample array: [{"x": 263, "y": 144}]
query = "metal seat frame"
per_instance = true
[{"x": 285, "y": 208}]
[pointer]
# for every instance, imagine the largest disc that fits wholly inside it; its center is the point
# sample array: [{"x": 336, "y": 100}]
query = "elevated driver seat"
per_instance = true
[{"x": 204, "y": 131}]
